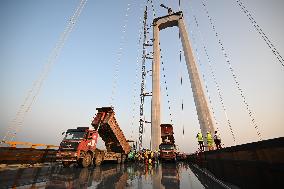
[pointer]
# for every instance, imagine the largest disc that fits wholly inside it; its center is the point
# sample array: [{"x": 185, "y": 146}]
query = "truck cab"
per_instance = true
[
  {"x": 78, "y": 145},
  {"x": 167, "y": 151}
]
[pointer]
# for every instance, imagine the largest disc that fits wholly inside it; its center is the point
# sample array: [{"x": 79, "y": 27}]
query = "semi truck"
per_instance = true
[
  {"x": 80, "y": 145},
  {"x": 167, "y": 148}
]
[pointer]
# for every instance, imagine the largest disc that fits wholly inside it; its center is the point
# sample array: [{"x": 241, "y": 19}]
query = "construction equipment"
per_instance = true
[
  {"x": 79, "y": 145},
  {"x": 170, "y": 11},
  {"x": 167, "y": 147}
]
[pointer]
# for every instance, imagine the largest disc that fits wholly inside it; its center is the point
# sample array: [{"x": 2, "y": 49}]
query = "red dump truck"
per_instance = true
[
  {"x": 167, "y": 147},
  {"x": 80, "y": 145}
]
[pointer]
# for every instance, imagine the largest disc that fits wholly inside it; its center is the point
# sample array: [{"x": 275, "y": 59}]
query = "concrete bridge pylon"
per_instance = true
[{"x": 201, "y": 104}]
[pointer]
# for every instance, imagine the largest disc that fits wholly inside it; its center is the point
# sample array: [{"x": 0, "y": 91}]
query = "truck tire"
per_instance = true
[
  {"x": 87, "y": 160},
  {"x": 66, "y": 163},
  {"x": 119, "y": 160},
  {"x": 98, "y": 160},
  {"x": 123, "y": 158}
]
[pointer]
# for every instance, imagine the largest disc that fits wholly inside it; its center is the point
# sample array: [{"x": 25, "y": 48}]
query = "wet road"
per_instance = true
[{"x": 131, "y": 175}]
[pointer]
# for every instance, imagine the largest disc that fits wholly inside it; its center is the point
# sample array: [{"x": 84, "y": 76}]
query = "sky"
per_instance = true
[{"x": 101, "y": 60}]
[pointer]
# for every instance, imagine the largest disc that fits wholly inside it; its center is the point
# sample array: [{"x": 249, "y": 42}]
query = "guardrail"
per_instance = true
[{"x": 14, "y": 144}]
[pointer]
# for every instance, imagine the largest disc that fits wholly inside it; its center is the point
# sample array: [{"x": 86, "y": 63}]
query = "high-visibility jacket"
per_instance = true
[
  {"x": 131, "y": 155},
  {"x": 209, "y": 139},
  {"x": 199, "y": 137}
]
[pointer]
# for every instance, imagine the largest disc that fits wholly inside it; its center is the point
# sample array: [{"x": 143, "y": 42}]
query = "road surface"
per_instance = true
[{"x": 130, "y": 175}]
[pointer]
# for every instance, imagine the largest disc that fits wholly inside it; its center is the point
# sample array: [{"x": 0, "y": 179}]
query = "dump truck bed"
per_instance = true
[
  {"x": 167, "y": 133},
  {"x": 110, "y": 131}
]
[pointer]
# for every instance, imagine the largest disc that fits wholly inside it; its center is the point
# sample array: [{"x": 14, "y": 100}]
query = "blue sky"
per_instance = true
[{"x": 82, "y": 77}]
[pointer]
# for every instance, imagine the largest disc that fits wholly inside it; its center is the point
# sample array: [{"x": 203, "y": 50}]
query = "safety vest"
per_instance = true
[
  {"x": 209, "y": 137},
  {"x": 199, "y": 137},
  {"x": 131, "y": 155}
]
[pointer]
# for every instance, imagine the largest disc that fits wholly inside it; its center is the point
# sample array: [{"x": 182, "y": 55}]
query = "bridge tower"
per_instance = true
[{"x": 203, "y": 112}]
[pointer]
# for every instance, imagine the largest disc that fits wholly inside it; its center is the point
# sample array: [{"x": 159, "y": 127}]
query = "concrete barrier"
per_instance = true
[{"x": 252, "y": 165}]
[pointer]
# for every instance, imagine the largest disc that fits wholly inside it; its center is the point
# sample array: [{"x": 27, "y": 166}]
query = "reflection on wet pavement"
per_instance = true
[{"x": 131, "y": 175}]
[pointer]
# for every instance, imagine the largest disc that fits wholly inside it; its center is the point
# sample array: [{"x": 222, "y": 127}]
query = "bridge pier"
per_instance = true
[
  {"x": 203, "y": 112},
  {"x": 156, "y": 95}
]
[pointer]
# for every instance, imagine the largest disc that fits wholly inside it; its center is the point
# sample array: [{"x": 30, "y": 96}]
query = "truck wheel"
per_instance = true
[
  {"x": 98, "y": 160},
  {"x": 123, "y": 158},
  {"x": 119, "y": 160},
  {"x": 66, "y": 163},
  {"x": 86, "y": 161}
]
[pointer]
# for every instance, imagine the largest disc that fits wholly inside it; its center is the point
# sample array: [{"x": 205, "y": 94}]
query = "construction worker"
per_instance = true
[
  {"x": 209, "y": 140},
  {"x": 152, "y": 156},
  {"x": 131, "y": 155},
  {"x": 217, "y": 140},
  {"x": 156, "y": 156},
  {"x": 146, "y": 156},
  {"x": 200, "y": 141}
]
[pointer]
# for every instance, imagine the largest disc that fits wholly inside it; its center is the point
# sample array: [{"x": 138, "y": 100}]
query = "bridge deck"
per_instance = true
[{"x": 257, "y": 164}]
